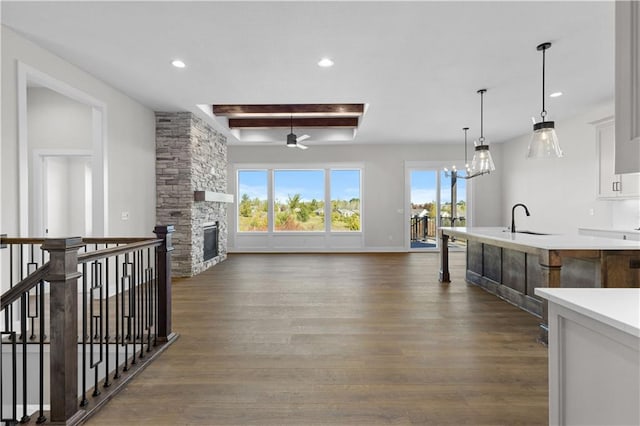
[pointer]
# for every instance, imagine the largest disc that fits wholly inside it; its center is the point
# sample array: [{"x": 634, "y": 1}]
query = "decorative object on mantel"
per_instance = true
[
  {"x": 482, "y": 162},
  {"x": 544, "y": 141},
  {"x": 219, "y": 197}
]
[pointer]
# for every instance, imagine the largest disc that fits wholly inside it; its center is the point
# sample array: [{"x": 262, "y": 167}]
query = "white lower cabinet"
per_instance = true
[{"x": 594, "y": 356}]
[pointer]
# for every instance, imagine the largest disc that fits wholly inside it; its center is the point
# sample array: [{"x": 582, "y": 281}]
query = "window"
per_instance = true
[
  {"x": 453, "y": 200},
  {"x": 345, "y": 200},
  {"x": 298, "y": 203},
  {"x": 253, "y": 206},
  {"x": 318, "y": 200}
]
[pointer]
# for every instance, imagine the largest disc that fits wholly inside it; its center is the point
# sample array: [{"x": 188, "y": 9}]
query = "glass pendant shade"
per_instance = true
[
  {"x": 544, "y": 141},
  {"x": 482, "y": 162}
]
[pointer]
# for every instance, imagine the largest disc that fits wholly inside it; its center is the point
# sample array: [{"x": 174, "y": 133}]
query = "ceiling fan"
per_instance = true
[{"x": 293, "y": 141}]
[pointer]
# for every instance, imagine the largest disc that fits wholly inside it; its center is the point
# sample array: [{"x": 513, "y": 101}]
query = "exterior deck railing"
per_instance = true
[
  {"x": 424, "y": 227},
  {"x": 80, "y": 318}
]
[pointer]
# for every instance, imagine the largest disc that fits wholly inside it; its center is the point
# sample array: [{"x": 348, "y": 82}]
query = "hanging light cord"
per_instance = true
[
  {"x": 465, "y": 146},
  {"x": 481, "y": 91},
  {"x": 482, "y": 118},
  {"x": 543, "y": 113}
]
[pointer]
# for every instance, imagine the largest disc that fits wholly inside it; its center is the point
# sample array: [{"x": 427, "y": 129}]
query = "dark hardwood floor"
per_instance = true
[{"x": 339, "y": 339}]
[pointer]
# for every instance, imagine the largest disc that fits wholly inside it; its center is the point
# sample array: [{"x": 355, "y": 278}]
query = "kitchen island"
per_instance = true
[
  {"x": 594, "y": 355},
  {"x": 512, "y": 265}
]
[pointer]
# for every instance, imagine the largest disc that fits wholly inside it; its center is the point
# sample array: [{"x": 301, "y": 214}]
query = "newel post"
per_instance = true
[
  {"x": 63, "y": 277},
  {"x": 164, "y": 281}
]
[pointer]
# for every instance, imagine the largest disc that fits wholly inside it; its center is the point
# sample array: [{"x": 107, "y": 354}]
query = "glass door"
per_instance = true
[
  {"x": 424, "y": 209},
  {"x": 437, "y": 198}
]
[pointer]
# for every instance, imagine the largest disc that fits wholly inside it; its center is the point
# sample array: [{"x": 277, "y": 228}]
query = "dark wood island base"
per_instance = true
[{"x": 512, "y": 266}]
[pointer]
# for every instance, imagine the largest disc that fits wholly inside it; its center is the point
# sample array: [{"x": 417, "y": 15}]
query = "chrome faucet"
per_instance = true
[{"x": 513, "y": 209}]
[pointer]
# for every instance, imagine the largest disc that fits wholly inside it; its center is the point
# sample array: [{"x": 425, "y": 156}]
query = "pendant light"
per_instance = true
[
  {"x": 467, "y": 168},
  {"x": 544, "y": 141},
  {"x": 482, "y": 162}
]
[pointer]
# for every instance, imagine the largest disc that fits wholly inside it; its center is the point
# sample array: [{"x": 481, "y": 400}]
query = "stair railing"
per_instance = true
[{"x": 94, "y": 318}]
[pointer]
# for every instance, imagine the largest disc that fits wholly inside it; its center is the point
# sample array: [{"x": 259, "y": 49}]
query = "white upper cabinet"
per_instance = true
[
  {"x": 611, "y": 184},
  {"x": 627, "y": 159}
]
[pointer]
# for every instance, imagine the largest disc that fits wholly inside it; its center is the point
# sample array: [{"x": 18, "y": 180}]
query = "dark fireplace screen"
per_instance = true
[{"x": 210, "y": 241}]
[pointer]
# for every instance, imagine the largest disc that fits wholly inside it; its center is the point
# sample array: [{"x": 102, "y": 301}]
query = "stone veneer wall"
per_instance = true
[{"x": 190, "y": 156}]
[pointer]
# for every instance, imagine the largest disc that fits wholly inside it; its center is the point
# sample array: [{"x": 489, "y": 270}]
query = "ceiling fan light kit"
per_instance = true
[{"x": 293, "y": 141}]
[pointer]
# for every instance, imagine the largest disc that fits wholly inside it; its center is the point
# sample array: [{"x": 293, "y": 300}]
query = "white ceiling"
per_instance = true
[{"x": 417, "y": 65}]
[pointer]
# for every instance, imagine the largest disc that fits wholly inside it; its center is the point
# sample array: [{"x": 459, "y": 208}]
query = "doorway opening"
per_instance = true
[
  {"x": 63, "y": 196},
  {"x": 51, "y": 117},
  {"x": 435, "y": 198}
]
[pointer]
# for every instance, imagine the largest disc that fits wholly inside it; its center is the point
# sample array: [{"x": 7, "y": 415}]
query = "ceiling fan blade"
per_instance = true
[
  {"x": 303, "y": 137},
  {"x": 301, "y": 146}
]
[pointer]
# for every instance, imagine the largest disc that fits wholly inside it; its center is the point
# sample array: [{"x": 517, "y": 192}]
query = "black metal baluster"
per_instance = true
[
  {"x": 117, "y": 285},
  {"x": 95, "y": 323},
  {"x": 84, "y": 400},
  {"x": 149, "y": 314},
  {"x": 23, "y": 331},
  {"x": 140, "y": 302},
  {"x": 126, "y": 308},
  {"x": 41, "y": 418},
  {"x": 31, "y": 267},
  {"x": 132, "y": 307},
  {"x": 106, "y": 332},
  {"x": 21, "y": 261},
  {"x": 155, "y": 296},
  {"x": 9, "y": 314}
]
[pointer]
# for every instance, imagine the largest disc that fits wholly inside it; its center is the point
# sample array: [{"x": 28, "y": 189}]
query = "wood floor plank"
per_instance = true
[{"x": 339, "y": 339}]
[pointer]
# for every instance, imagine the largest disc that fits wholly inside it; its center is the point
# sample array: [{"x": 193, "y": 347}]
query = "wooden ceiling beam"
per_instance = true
[
  {"x": 317, "y": 122},
  {"x": 288, "y": 109}
]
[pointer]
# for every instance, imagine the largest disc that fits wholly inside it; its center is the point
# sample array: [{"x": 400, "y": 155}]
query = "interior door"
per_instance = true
[{"x": 67, "y": 196}]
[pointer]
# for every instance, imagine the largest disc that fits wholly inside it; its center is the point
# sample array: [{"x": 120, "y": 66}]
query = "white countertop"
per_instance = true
[
  {"x": 621, "y": 231},
  {"x": 616, "y": 307},
  {"x": 548, "y": 242}
]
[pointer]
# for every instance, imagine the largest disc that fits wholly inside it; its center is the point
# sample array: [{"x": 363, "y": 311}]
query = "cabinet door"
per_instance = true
[
  {"x": 630, "y": 185},
  {"x": 627, "y": 86},
  {"x": 608, "y": 182}
]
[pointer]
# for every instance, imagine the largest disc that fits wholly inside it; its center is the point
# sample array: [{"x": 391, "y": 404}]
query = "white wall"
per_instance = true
[
  {"x": 561, "y": 193},
  {"x": 56, "y": 121},
  {"x": 130, "y": 140},
  {"x": 383, "y": 198}
]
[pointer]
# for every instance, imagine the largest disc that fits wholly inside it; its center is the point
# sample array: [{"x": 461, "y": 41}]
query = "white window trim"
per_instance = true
[{"x": 270, "y": 169}]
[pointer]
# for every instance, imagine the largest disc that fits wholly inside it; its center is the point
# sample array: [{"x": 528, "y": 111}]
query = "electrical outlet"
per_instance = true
[
  {"x": 124, "y": 216},
  {"x": 591, "y": 212}
]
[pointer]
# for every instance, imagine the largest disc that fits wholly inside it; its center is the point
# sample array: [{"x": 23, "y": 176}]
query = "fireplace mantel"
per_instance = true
[{"x": 219, "y": 197}]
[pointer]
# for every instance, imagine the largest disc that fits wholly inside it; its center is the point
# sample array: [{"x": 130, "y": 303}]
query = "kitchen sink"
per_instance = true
[
  {"x": 527, "y": 232},
  {"x": 531, "y": 233}
]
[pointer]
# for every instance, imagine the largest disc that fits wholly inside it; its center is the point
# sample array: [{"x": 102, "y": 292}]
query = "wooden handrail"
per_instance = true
[
  {"x": 24, "y": 286},
  {"x": 152, "y": 295},
  {"x": 39, "y": 274},
  {"x": 112, "y": 251},
  {"x": 86, "y": 240}
]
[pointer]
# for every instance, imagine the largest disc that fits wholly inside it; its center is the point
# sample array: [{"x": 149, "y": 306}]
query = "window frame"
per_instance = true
[{"x": 271, "y": 169}]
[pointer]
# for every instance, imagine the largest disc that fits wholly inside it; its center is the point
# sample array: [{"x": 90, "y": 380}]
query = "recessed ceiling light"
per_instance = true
[
  {"x": 555, "y": 94},
  {"x": 325, "y": 63},
  {"x": 178, "y": 63}
]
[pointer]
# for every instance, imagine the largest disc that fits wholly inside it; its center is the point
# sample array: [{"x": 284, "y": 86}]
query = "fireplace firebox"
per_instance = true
[{"x": 210, "y": 240}]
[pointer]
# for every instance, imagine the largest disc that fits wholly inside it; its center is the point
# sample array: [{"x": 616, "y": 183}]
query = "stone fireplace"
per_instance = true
[
  {"x": 191, "y": 181},
  {"x": 210, "y": 241}
]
